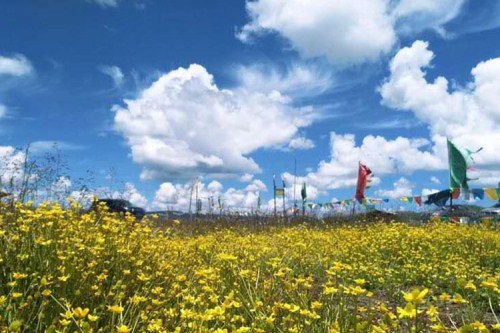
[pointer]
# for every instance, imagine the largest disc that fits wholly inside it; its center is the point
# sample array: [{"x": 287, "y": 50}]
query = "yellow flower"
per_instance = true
[
  {"x": 16, "y": 295},
  {"x": 115, "y": 309},
  {"x": 409, "y": 311},
  {"x": 316, "y": 305},
  {"x": 458, "y": 299},
  {"x": 490, "y": 284},
  {"x": 416, "y": 296},
  {"x": 46, "y": 293},
  {"x": 439, "y": 328},
  {"x": 432, "y": 311},
  {"x": 329, "y": 291},
  {"x": 65, "y": 322},
  {"x": 80, "y": 313},
  {"x": 378, "y": 329},
  {"x": 92, "y": 318},
  {"x": 19, "y": 276},
  {"x": 477, "y": 326},
  {"x": 360, "y": 281},
  {"x": 470, "y": 285},
  {"x": 122, "y": 329},
  {"x": 63, "y": 278}
]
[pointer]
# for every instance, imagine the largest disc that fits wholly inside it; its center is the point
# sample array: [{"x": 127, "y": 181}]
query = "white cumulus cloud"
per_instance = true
[
  {"x": 301, "y": 143},
  {"x": 346, "y": 32},
  {"x": 17, "y": 65},
  {"x": 184, "y": 125},
  {"x": 402, "y": 188},
  {"x": 383, "y": 156},
  {"x": 177, "y": 196},
  {"x": 469, "y": 115}
]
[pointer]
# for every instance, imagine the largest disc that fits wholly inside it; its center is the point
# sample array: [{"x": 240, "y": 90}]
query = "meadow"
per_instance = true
[{"x": 64, "y": 271}]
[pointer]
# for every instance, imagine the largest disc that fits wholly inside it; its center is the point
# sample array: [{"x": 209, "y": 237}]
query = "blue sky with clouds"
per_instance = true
[{"x": 234, "y": 91}]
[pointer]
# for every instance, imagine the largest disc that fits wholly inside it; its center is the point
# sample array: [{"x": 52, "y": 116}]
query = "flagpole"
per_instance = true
[
  {"x": 274, "y": 193},
  {"x": 449, "y": 170},
  {"x": 191, "y": 201},
  {"x": 294, "y": 187},
  {"x": 284, "y": 207}
]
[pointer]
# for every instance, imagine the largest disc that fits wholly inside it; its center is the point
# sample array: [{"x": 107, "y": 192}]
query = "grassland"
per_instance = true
[{"x": 63, "y": 271}]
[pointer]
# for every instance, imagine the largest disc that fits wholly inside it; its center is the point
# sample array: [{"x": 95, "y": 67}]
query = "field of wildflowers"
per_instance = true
[{"x": 63, "y": 271}]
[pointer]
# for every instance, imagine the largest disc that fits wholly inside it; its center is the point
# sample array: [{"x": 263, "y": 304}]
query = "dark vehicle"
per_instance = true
[
  {"x": 120, "y": 206},
  {"x": 459, "y": 213}
]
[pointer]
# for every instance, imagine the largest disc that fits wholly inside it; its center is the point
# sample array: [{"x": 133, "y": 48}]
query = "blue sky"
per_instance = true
[{"x": 234, "y": 91}]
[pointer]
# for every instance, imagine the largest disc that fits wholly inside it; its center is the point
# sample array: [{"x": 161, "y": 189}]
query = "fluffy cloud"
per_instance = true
[
  {"x": 11, "y": 162},
  {"x": 114, "y": 72},
  {"x": 177, "y": 196},
  {"x": 402, "y": 188},
  {"x": 469, "y": 116},
  {"x": 342, "y": 30},
  {"x": 346, "y": 32},
  {"x": 13, "y": 68},
  {"x": 383, "y": 156},
  {"x": 184, "y": 125},
  {"x": 301, "y": 143},
  {"x": 294, "y": 193},
  {"x": 18, "y": 65},
  {"x": 131, "y": 194}
]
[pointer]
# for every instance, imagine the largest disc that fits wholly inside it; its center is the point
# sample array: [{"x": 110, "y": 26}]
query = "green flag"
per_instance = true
[
  {"x": 458, "y": 167},
  {"x": 303, "y": 192}
]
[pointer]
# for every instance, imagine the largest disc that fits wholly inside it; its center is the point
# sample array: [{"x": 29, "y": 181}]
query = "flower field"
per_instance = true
[{"x": 62, "y": 271}]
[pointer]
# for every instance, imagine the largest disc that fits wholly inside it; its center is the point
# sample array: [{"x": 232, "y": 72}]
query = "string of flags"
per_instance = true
[
  {"x": 460, "y": 161},
  {"x": 438, "y": 198}
]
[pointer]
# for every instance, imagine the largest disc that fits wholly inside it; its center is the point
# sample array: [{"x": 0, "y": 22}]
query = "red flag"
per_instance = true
[
  {"x": 418, "y": 201},
  {"x": 363, "y": 178},
  {"x": 456, "y": 193}
]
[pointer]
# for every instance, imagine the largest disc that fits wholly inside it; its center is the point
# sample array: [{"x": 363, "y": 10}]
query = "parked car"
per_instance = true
[
  {"x": 458, "y": 213},
  {"x": 492, "y": 211},
  {"x": 120, "y": 206}
]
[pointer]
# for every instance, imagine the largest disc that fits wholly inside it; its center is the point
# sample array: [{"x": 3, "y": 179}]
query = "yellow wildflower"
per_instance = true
[{"x": 115, "y": 309}]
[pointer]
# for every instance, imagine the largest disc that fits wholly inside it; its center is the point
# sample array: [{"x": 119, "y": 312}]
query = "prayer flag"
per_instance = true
[
  {"x": 458, "y": 167},
  {"x": 364, "y": 174},
  {"x": 438, "y": 199},
  {"x": 491, "y": 193},
  {"x": 478, "y": 193}
]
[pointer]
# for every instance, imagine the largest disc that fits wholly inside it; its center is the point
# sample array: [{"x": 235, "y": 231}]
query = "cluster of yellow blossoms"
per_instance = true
[{"x": 64, "y": 271}]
